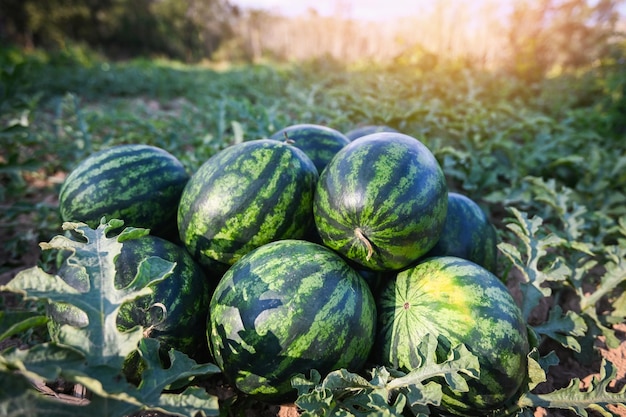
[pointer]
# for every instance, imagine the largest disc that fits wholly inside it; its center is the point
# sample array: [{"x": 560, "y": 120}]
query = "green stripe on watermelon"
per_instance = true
[
  {"x": 467, "y": 233},
  {"x": 382, "y": 201},
  {"x": 139, "y": 184},
  {"x": 285, "y": 308},
  {"x": 319, "y": 143},
  {"x": 243, "y": 197},
  {"x": 465, "y": 303}
]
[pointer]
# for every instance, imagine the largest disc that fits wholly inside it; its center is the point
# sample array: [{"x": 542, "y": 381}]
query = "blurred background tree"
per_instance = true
[
  {"x": 558, "y": 35},
  {"x": 180, "y": 29},
  {"x": 527, "y": 38}
]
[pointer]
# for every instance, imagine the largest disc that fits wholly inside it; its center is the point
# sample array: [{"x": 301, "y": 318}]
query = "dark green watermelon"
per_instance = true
[
  {"x": 361, "y": 131},
  {"x": 176, "y": 311},
  {"x": 466, "y": 304},
  {"x": 320, "y": 143},
  {"x": 467, "y": 233},
  {"x": 139, "y": 184},
  {"x": 285, "y": 308},
  {"x": 381, "y": 201},
  {"x": 243, "y": 197}
]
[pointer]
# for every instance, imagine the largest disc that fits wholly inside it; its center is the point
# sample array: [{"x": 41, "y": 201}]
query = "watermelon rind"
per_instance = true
[
  {"x": 243, "y": 197},
  {"x": 139, "y": 184},
  {"x": 365, "y": 130},
  {"x": 285, "y": 308},
  {"x": 175, "y": 313},
  {"x": 466, "y": 304},
  {"x": 381, "y": 201},
  {"x": 467, "y": 233},
  {"x": 320, "y": 143}
]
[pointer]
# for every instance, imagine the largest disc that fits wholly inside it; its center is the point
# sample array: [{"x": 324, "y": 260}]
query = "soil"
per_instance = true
[{"x": 558, "y": 376}]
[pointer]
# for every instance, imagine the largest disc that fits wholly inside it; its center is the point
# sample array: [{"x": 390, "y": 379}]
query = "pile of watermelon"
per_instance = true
[{"x": 315, "y": 250}]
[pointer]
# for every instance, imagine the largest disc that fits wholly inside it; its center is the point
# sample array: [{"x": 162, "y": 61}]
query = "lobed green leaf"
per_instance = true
[
  {"x": 388, "y": 392},
  {"x": 597, "y": 396}
]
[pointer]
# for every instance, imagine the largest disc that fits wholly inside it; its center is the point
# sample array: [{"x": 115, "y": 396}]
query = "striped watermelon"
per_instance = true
[
  {"x": 139, "y": 184},
  {"x": 465, "y": 303},
  {"x": 176, "y": 311},
  {"x": 285, "y": 308},
  {"x": 320, "y": 143},
  {"x": 243, "y": 197},
  {"x": 361, "y": 131},
  {"x": 467, "y": 233},
  {"x": 381, "y": 201}
]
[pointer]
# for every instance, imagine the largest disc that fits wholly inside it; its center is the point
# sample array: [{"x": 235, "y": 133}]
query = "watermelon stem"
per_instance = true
[
  {"x": 288, "y": 140},
  {"x": 148, "y": 330},
  {"x": 361, "y": 236}
]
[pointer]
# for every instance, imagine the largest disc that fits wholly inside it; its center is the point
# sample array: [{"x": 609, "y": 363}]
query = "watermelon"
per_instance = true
[
  {"x": 243, "y": 197},
  {"x": 176, "y": 311},
  {"x": 139, "y": 184},
  {"x": 361, "y": 131},
  {"x": 285, "y": 308},
  {"x": 381, "y": 201},
  {"x": 320, "y": 143},
  {"x": 466, "y": 304},
  {"x": 467, "y": 233}
]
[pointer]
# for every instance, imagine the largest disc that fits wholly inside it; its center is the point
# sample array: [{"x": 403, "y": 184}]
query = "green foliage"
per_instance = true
[
  {"x": 550, "y": 34},
  {"x": 545, "y": 161},
  {"x": 388, "y": 392},
  {"x": 94, "y": 356},
  {"x": 563, "y": 256},
  {"x": 18, "y": 322},
  {"x": 597, "y": 396},
  {"x": 180, "y": 29}
]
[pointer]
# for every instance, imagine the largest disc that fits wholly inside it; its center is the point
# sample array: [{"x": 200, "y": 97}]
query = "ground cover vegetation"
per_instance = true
[{"x": 544, "y": 156}]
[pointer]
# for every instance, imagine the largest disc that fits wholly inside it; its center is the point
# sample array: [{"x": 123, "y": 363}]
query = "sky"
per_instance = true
[
  {"x": 357, "y": 9},
  {"x": 369, "y": 9}
]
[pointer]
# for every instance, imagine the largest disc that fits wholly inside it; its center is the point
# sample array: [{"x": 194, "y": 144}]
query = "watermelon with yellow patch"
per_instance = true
[{"x": 466, "y": 304}]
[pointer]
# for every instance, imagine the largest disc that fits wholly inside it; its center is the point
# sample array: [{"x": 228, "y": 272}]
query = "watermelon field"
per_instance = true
[{"x": 543, "y": 161}]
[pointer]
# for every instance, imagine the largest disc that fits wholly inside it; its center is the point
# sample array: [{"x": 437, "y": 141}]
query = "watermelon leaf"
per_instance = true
[
  {"x": 101, "y": 341},
  {"x": 112, "y": 396},
  {"x": 459, "y": 363},
  {"x": 596, "y": 396},
  {"x": 538, "y": 367},
  {"x": 614, "y": 275},
  {"x": 19, "y": 398},
  {"x": 156, "y": 378},
  {"x": 14, "y": 322},
  {"x": 94, "y": 356},
  {"x": 535, "y": 247},
  {"x": 570, "y": 214},
  {"x": 538, "y": 249},
  {"x": 388, "y": 391},
  {"x": 564, "y": 328}
]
